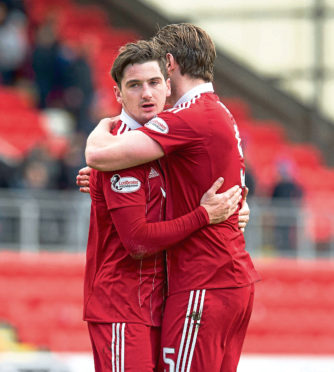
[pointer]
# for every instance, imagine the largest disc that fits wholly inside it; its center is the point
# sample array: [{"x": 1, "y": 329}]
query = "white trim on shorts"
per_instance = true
[
  {"x": 118, "y": 347},
  {"x": 190, "y": 330}
]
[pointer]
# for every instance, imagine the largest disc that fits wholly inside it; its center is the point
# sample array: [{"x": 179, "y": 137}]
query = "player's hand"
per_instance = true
[
  {"x": 83, "y": 179},
  {"x": 244, "y": 212},
  {"x": 108, "y": 123},
  {"x": 221, "y": 206}
]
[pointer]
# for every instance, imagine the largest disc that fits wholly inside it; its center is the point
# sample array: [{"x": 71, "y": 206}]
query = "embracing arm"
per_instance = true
[
  {"x": 243, "y": 218},
  {"x": 106, "y": 152},
  {"x": 142, "y": 238}
]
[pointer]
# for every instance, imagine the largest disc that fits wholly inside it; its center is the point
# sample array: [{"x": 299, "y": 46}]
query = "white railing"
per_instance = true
[
  {"x": 59, "y": 221},
  {"x": 47, "y": 220}
]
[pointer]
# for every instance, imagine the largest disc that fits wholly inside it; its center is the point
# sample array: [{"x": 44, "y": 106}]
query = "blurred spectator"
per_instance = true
[
  {"x": 289, "y": 193},
  {"x": 46, "y": 62},
  {"x": 39, "y": 171},
  {"x": 15, "y": 5},
  {"x": 36, "y": 176},
  {"x": 63, "y": 76},
  {"x": 13, "y": 42},
  {"x": 70, "y": 164},
  {"x": 250, "y": 181},
  {"x": 8, "y": 175},
  {"x": 286, "y": 187},
  {"x": 79, "y": 87}
]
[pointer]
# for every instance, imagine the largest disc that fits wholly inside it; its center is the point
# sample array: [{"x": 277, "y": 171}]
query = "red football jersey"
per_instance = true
[
  {"x": 201, "y": 142},
  {"x": 117, "y": 287}
]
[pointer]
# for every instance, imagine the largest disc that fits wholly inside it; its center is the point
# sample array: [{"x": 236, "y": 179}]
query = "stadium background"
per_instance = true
[{"x": 275, "y": 73}]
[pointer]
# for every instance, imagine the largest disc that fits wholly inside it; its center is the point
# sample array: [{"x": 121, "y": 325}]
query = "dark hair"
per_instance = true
[
  {"x": 192, "y": 48},
  {"x": 140, "y": 52}
]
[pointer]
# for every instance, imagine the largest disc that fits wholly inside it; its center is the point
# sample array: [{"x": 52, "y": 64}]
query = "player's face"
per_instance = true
[{"x": 143, "y": 91}]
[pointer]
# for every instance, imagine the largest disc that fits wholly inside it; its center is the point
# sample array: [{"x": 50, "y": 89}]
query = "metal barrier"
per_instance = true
[
  {"x": 59, "y": 221},
  {"x": 44, "y": 220},
  {"x": 289, "y": 228}
]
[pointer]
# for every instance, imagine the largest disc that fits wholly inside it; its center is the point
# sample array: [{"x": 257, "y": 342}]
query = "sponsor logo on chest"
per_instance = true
[{"x": 124, "y": 184}]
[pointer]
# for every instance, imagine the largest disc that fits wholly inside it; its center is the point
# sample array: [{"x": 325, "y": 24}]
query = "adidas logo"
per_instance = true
[{"x": 153, "y": 173}]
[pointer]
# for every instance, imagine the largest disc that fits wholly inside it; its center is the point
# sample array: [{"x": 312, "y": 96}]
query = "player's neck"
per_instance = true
[{"x": 181, "y": 84}]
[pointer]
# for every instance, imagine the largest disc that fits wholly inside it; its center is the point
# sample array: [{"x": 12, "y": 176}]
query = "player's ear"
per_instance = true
[
  {"x": 168, "y": 91},
  {"x": 170, "y": 63},
  {"x": 118, "y": 94}
]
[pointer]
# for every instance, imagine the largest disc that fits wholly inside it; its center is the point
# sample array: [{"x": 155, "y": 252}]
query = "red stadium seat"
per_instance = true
[
  {"x": 42, "y": 294},
  {"x": 13, "y": 99},
  {"x": 293, "y": 308},
  {"x": 238, "y": 108},
  {"x": 306, "y": 155},
  {"x": 42, "y": 297}
]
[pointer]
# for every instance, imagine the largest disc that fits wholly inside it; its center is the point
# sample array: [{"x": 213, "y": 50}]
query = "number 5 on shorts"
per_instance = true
[{"x": 170, "y": 362}]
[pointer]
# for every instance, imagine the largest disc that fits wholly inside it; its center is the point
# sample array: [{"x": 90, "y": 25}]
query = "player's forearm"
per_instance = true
[
  {"x": 109, "y": 155},
  {"x": 106, "y": 152},
  {"x": 99, "y": 146},
  {"x": 99, "y": 157},
  {"x": 143, "y": 239}
]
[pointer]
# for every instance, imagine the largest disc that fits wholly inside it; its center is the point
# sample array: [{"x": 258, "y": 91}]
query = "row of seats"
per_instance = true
[
  {"x": 293, "y": 306},
  {"x": 21, "y": 126},
  {"x": 42, "y": 298},
  {"x": 266, "y": 147},
  {"x": 293, "y": 344}
]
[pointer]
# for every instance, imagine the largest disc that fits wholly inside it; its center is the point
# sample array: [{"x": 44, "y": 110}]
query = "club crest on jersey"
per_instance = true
[
  {"x": 157, "y": 124},
  {"x": 124, "y": 184}
]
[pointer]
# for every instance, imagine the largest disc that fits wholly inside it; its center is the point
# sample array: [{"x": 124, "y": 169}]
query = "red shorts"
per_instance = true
[
  {"x": 120, "y": 347},
  {"x": 204, "y": 330}
]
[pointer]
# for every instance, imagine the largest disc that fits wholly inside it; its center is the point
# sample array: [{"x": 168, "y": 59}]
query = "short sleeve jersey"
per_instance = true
[
  {"x": 201, "y": 142},
  {"x": 117, "y": 287}
]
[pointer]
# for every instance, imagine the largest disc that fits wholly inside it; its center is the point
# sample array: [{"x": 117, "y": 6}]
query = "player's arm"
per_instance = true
[
  {"x": 243, "y": 216},
  {"x": 106, "y": 152},
  {"x": 142, "y": 238}
]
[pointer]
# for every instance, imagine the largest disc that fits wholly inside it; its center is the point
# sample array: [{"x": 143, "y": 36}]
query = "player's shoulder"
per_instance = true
[
  {"x": 185, "y": 115},
  {"x": 194, "y": 106},
  {"x": 192, "y": 110},
  {"x": 139, "y": 171}
]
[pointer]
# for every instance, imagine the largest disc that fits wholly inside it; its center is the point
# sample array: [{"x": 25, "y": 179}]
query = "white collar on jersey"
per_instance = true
[
  {"x": 202, "y": 88},
  {"x": 129, "y": 121}
]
